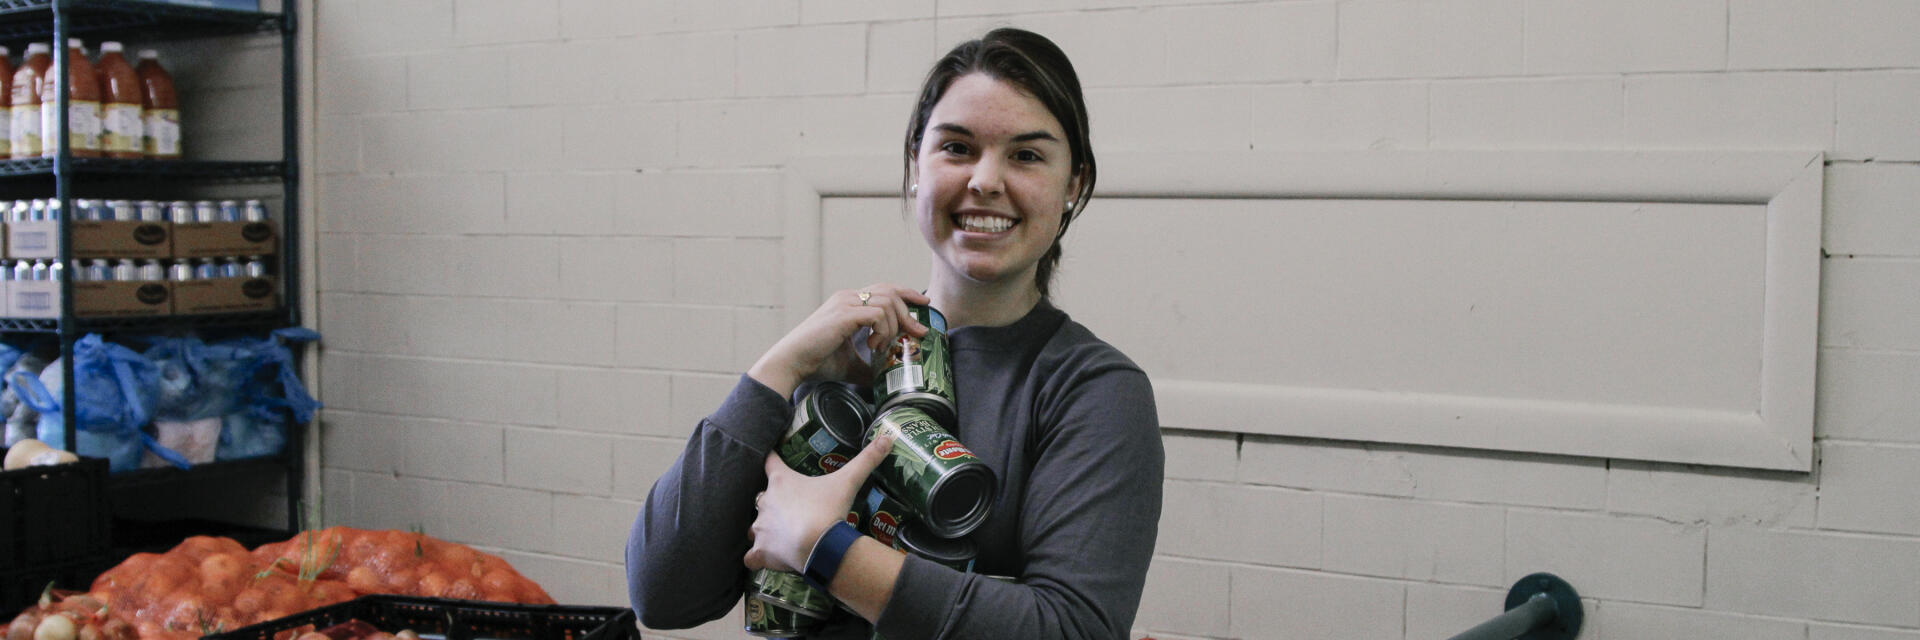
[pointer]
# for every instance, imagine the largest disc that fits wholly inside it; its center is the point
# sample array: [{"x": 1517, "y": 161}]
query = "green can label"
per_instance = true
[
  {"x": 878, "y": 515},
  {"x": 824, "y": 434},
  {"x": 918, "y": 370},
  {"x": 928, "y": 469},
  {"x": 769, "y": 621},
  {"x": 789, "y": 591}
]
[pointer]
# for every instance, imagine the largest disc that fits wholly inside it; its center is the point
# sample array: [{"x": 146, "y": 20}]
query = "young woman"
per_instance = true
[{"x": 998, "y": 164}]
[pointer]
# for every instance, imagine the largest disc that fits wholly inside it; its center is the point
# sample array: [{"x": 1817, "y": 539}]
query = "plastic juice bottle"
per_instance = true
[
  {"x": 120, "y": 115},
  {"x": 161, "y": 130},
  {"x": 83, "y": 107},
  {"x": 6, "y": 104},
  {"x": 24, "y": 134}
]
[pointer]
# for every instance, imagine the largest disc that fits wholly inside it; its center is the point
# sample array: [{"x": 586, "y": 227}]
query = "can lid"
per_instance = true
[
  {"x": 916, "y": 539},
  {"x": 841, "y": 411}
]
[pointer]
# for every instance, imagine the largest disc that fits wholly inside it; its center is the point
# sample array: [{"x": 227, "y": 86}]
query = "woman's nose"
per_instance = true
[{"x": 986, "y": 179}]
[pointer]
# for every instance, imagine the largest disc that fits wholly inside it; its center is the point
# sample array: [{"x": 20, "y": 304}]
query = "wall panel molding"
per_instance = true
[{"x": 1740, "y": 231}]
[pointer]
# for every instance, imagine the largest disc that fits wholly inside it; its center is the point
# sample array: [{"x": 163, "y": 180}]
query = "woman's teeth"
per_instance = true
[{"x": 985, "y": 224}]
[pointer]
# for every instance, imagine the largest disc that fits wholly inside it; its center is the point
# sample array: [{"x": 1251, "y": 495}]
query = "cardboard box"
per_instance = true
[
  {"x": 93, "y": 299},
  {"x": 224, "y": 295},
  {"x": 223, "y": 239},
  {"x": 115, "y": 239}
]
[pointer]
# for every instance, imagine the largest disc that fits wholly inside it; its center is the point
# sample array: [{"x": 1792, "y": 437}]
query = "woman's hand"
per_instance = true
[
  {"x": 796, "y": 509},
  {"x": 822, "y": 347}
]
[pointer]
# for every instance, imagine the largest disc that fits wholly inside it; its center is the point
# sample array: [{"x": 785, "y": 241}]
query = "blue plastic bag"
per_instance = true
[
  {"x": 270, "y": 392},
  {"x": 115, "y": 389},
  {"x": 197, "y": 381}
]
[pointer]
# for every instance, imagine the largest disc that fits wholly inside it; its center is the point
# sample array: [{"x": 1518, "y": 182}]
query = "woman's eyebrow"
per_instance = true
[{"x": 1030, "y": 135}]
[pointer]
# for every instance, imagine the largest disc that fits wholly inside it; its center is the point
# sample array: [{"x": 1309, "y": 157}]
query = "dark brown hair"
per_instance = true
[{"x": 1033, "y": 63}]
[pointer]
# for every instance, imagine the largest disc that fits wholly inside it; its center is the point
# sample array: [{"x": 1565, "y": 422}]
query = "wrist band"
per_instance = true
[{"x": 827, "y": 553}]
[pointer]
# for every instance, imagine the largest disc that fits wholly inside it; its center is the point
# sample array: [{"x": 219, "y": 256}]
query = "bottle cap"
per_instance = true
[
  {"x": 109, "y": 47},
  {"x": 149, "y": 54},
  {"x": 39, "y": 47},
  {"x": 75, "y": 43},
  {"x": 5, "y": 51}
]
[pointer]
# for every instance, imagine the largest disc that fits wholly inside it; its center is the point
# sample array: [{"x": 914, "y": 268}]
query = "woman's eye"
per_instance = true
[
  {"x": 955, "y": 148},
  {"x": 1028, "y": 155}
]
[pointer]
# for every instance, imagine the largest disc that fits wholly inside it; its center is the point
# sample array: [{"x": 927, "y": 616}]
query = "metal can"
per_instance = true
[
  {"x": 18, "y": 211},
  {"x": 877, "y": 514},
  {"x": 206, "y": 211},
  {"x": 180, "y": 271},
  {"x": 229, "y": 211},
  {"x": 36, "y": 209},
  {"x": 57, "y": 271},
  {"x": 205, "y": 270},
  {"x": 52, "y": 210},
  {"x": 150, "y": 270},
  {"x": 254, "y": 211},
  {"x": 180, "y": 211},
  {"x": 38, "y": 271},
  {"x": 928, "y": 469},
  {"x": 152, "y": 211},
  {"x": 256, "y": 267},
  {"x": 954, "y": 553},
  {"x": 791, "y": 592},
  {"x": 919, "y": 371},
  {"x": 124, "y": 210},
  {"x": 22, "y": 270},
  {"x": 826, "y": 431},
  {"x": 768, "y": 621},
  {"x": 87, "y": 209},
  {"x": 125, "y": 270}
]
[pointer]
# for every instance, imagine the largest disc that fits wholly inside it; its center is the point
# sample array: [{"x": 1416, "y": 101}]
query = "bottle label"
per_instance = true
[
  {"x": 161, "y": 133},
  {"x": 122, "y": 129},
  {"x": 83, "y": 124},
  {"x": 6, "y": 132},
  {"x": 25, "y": 132}
]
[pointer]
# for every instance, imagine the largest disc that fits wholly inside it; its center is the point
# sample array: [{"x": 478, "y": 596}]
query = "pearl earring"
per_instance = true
[{"x": 914, "y": 190}]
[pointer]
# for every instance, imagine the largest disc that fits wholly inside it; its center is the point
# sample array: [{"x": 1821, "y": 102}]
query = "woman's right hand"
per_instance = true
[{"x": 822, "y": 346}]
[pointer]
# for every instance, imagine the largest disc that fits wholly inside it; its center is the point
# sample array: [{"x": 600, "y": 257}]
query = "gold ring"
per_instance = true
[{"x": 863, "y": 298}]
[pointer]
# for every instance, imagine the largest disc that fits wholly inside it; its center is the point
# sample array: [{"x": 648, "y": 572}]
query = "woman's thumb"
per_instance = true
[{"x": 863, "y": 464}]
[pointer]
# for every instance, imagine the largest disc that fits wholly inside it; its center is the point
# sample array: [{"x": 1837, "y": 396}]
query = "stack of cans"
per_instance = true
[
  {"x": 131, "y": 270},
  {"x": 928, "y": 493},
  {"x": 175, "y": 211}
]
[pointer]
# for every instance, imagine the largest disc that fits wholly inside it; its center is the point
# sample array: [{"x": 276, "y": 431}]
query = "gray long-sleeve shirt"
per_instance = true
[{"x": 1065, "y": 421}]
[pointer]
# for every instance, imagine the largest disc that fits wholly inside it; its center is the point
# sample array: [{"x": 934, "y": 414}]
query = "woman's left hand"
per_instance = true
[{"x": 796, "y": 509}]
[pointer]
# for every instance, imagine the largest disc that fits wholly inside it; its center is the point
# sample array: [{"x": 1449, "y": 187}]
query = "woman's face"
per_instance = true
[{"x": 994, "y": 174}]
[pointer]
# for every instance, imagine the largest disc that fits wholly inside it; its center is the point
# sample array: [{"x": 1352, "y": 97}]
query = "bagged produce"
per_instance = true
[
  {"x": 22, "y": 421},
  {"x": 269, "y": 394},
  {"x": 114, "y": 396},
  {"x": 207, "y": 584},
  {"x": 198, "y": 385}
]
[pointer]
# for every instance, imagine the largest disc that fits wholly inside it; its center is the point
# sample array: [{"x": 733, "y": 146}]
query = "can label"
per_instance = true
[
  {"x": 878, "y": 515},
  {"x": 918, "y": 370},
  {"x": 790, "y": 591},
  {"x": 768, "y": 621},
  {"x": 928, "y": 469},
  {"x": 824, "y": 434}
]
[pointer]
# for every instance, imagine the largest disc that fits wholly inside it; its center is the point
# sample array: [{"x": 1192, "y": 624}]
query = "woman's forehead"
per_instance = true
[{"x": 985, "y": 106}]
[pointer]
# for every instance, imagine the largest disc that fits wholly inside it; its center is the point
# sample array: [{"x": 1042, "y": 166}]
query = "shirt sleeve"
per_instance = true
[
  {"x": 1087, "y": 529},
  {"x": 684, "y": 552}
]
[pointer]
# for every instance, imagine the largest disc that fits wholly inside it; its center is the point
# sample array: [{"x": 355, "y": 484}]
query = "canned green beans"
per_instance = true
[
  {"x": 954, "y": 553},
  {"x": 919, "y": 371},
  {"x": 826, "y": 430},
  {"x": 768, "y": 621},
  {"x": 791, "y": 592},
  {"x": 949, "y": 488},
  {"x": 877, "y": 514}
]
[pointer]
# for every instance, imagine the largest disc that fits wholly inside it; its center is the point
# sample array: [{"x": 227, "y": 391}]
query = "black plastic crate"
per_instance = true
[
  {"x": 21, "y": 588},
  {"x": 54, "y": 514},
  {"x": 456, "y": 620}
]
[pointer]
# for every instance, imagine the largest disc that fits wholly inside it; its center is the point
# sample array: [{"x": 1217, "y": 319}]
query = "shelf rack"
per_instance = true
[{"x": 146, "y": 20}]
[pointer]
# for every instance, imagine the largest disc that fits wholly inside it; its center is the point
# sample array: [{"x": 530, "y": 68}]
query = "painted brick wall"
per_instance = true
[{"x": 550, "y": 239}]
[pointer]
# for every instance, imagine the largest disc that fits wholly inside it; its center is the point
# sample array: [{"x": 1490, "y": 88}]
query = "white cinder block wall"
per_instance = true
[{"x": 551, "y": 238}]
